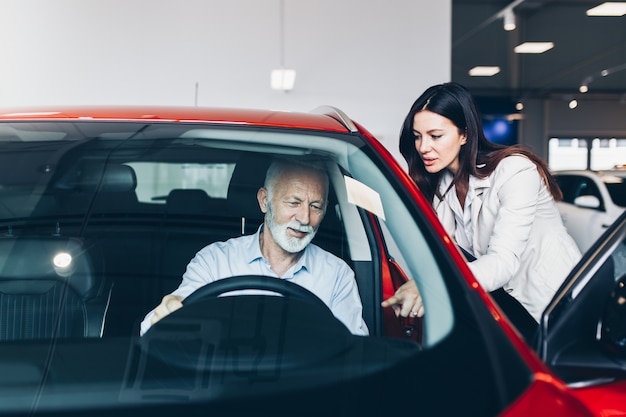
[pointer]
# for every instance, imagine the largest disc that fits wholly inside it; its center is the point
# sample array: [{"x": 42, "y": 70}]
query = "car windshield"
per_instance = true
[
  {"x": 616, "y": 186},
  {"x": 99, "y": 220}
]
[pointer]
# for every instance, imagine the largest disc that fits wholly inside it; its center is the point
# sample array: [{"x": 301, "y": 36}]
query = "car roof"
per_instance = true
[{"x": 325, "y": 118}]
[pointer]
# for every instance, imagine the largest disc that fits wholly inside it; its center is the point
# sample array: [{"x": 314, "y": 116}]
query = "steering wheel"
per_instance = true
[
  {"x": 253, "y": 282},
  {"x": 289, "y": 324}
]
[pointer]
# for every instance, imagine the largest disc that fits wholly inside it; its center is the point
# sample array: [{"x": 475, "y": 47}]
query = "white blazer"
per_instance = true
[{"x": 515, "y": 232}]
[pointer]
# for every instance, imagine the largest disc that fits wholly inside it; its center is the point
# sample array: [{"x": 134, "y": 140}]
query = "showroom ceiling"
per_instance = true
[{"x": 587, "y": 50}]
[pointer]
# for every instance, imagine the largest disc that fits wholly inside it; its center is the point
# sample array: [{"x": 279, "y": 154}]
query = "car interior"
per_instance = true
[{"x": 134, "y": 252}]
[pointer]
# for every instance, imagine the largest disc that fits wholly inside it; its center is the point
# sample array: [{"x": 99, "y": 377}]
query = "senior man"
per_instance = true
[{"x": 293, "y": 200}]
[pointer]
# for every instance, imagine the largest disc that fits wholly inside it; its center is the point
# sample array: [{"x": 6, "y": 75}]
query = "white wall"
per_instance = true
[{"x": 370, "y": 58}]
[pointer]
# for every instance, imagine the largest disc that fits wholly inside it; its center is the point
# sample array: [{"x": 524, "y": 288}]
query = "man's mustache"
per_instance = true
[{"x": 304, "y": 228}]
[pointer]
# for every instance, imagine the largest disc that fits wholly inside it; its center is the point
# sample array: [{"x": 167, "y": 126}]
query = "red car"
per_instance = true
[{"x": 101, "y": 210}]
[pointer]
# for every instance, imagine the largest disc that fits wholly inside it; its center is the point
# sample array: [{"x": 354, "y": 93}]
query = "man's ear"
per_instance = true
[{"x": 261, "y": 197}]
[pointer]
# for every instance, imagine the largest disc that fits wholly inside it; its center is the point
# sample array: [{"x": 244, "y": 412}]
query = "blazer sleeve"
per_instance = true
[{"x": 505, "y": 221}]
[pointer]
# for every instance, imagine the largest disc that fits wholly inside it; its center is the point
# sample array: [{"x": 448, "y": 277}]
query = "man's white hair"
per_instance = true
[{"x": 280, "y": 165}]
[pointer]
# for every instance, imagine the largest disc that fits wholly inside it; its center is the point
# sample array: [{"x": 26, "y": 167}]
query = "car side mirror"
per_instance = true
[
  {"x": 613, "y": 324},
  {"x": 587, "y": 201}
]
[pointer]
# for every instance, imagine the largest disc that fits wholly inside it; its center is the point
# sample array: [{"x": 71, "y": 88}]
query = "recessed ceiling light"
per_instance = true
[
  {"x": 509, "y": 20},
  {"x": 609, "y": 8},
  {"x": 484, "y": 71},
  {"x": 533, "y": 47}
]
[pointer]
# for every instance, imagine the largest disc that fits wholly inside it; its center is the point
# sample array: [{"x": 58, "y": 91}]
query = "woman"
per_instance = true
[{"x": 497, "y": 202}]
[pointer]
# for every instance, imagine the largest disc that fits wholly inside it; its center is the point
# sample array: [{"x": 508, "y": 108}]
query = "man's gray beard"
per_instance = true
[{"x": 279, "y": 233}]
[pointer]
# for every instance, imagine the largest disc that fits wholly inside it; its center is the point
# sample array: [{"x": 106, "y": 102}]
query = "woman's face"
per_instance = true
[{"x": 437, "y": 141}]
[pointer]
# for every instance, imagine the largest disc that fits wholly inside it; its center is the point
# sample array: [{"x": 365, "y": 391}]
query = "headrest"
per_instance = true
[
  {"x": 28, "y": 259},
  {"x": 247, "y": 178},
  {"x": 188, "y": 201},
  {"x": 114, "y": 178}
]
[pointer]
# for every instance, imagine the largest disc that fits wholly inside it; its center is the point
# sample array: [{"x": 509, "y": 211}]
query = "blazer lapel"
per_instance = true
[
  {"x": 443, "y": 210},
  {"x": 478, "y": 187}
]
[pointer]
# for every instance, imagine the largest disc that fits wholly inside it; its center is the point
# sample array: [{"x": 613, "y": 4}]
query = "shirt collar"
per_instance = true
[
  {"x": 305, "y": 260},
  {"x": 254, "y": 248},
  {"x": 255, "y": 254},
  {"x": 475, "y": 183},
  {"x": 479, "y": 185}
]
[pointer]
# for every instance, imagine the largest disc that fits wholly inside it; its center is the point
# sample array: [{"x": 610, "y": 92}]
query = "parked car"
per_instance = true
[
  {"x": 592, "y": 201},
  {"x": 101, "y": 209}
]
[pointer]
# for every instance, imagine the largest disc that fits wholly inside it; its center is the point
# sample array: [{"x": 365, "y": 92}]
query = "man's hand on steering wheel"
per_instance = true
[{"x": 169, "y": 304}]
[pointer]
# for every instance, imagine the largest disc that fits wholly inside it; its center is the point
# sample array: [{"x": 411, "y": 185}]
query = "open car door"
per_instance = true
[{"x": 582, "y": 334}]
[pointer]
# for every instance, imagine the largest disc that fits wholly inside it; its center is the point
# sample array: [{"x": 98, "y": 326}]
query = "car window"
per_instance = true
[
  {"x": 616, "y": 186},
  {"x": 574, "y": 186},
  {"x": 155, "y": 180},
  {"x": 586, "y": 186}
]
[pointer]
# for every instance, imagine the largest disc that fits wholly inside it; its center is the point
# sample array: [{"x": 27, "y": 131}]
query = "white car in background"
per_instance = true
[{"x": 592, "y": 201}]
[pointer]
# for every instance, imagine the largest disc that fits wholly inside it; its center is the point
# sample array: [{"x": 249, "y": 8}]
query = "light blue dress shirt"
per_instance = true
[{"x": 319, "y": 271}]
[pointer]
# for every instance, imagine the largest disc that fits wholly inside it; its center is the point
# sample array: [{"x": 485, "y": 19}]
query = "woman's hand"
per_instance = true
[{"x": 407, "y": 301}]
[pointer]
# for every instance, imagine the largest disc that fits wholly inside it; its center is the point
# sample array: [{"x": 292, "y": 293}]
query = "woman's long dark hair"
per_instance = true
[{"x": 454, "y": 102}]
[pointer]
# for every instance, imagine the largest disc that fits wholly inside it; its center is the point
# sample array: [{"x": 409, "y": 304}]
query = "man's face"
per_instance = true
[{"x": 295, "y": 208}]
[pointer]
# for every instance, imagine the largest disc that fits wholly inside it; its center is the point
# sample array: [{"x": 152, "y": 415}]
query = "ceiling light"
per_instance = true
[
  {"x": 583, "y": 89},
  {"x": 509, "y": 20},
  {"x": 484, "y": 71},
  {"x": 533, "y": 47},
  {"x": 609, "y": 8},
  {"x": 519, "y": 106},
  {"x": 572, "y": 104},
  {"x": 283, "y": 79}
]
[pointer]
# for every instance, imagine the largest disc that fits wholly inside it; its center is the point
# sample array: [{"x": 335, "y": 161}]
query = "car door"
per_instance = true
[
  {"x": 583, "y": 209},
  {"x": 582, "y": 333}
]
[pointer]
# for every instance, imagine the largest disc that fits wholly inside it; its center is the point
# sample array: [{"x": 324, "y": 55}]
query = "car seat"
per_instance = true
[
  {"x": 47, "y": 289},
  {"x": 247, "y": 178},
  {"x": 97, "y": 188}
]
